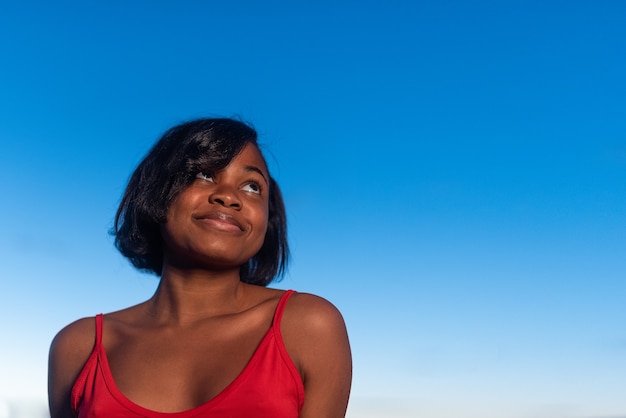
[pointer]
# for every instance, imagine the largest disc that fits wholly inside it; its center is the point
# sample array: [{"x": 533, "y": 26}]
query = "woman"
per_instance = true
[{"x": 202, "y": 212}]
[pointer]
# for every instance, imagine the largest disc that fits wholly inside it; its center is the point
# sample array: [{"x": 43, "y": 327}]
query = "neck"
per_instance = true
[{"x": 188, "y": 295}]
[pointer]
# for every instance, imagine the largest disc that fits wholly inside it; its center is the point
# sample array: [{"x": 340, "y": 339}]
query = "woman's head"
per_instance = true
[{"x": 169, "y": 168}]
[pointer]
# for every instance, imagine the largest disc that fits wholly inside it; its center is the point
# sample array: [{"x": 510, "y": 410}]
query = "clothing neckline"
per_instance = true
[{"x": 272, "y": 332}]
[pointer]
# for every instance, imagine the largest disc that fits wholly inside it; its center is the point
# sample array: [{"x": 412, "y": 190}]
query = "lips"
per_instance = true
[{"x": 222, "y": 221}]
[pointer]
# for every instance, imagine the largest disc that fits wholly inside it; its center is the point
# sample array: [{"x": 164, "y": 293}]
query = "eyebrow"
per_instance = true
[{"x": 256, "y": 170}]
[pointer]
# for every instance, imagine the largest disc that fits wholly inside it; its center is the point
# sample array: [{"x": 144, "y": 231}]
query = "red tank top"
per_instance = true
[{"x": 268, "y": 387}]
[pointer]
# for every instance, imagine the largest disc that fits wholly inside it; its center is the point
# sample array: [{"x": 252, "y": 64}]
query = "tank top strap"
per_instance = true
[
  {"x": 278, "y": 314},
  {"x": 99, "y": 320}
]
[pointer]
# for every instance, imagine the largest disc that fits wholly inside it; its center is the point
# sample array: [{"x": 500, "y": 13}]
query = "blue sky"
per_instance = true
[{"x": 454, "y": 174}]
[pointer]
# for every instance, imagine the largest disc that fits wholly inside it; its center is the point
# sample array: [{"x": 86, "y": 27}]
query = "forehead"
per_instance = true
[{"x": 250, "y": 156}]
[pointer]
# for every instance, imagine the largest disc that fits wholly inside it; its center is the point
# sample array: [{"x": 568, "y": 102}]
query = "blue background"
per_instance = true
[{"x": 454, "y": 174}]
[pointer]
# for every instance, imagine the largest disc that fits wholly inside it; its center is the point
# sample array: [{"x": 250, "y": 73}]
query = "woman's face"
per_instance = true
[{"x": 220, "y": 220}]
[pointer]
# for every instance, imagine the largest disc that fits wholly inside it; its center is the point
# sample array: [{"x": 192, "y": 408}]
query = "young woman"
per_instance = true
[{"x": 202, "y": 212}]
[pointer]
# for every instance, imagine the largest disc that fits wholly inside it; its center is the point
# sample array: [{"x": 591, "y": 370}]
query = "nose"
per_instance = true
[{"x": 225, "y": 196}]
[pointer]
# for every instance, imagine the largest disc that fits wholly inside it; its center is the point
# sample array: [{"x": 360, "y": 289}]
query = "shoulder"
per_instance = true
[
  {"x": 77, "y": 338},
  {"x": 69, "y": 351},
  {"x": 316, "y": 339},
  {"x": 312, "y": 312},
  {"x": 312, "y": 326}
]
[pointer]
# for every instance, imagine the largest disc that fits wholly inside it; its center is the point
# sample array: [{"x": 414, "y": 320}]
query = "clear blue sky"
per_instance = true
[{"x": 454, "y": 172}]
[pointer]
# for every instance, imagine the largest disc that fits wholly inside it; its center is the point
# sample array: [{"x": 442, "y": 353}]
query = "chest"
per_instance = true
[{"x": 170, "y": 370}]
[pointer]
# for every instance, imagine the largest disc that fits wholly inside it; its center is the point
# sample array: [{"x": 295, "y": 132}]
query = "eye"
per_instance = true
[
  {"x": 205, "y": 177},
  {"x": 252, "y": 187}
]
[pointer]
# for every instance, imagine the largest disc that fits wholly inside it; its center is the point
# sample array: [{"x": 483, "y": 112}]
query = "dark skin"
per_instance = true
[{"x": 157, "y": 350}]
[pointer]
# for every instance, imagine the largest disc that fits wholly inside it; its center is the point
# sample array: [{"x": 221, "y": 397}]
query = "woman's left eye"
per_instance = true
[{"x": 252, "y": 188}]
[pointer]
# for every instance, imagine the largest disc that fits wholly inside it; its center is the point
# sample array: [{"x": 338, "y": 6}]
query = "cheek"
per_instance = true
[{"x": 262, "y": 224}]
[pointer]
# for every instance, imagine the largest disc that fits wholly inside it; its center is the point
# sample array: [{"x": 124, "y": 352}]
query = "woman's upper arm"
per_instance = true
[
  {"x": 315, "y": 336},
  {"x": 69, "y": 351}
]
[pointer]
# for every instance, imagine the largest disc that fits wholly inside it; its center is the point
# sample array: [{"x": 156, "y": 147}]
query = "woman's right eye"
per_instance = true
[{"x": 205, "y": 177}]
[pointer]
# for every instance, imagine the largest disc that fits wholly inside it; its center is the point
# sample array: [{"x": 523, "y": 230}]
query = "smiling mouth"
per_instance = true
[{"x": 221, "y": 221}]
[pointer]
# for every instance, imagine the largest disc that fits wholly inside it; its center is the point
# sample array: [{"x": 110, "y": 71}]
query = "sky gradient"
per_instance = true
[{"x": 454, "y": 175}]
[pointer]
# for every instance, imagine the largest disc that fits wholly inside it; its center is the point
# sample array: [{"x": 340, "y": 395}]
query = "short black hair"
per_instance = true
[{"x": 170, "y": 167}]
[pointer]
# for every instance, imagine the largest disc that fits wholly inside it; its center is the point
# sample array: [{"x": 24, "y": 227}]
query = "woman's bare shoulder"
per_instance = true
[
  {"x": 309, "y": 318},
  {"x": 312, "y": 311},
  {"x": 316, "y": 339},
  {"x": 76, "y": 338},
  {"x": 69, "y": 351}
]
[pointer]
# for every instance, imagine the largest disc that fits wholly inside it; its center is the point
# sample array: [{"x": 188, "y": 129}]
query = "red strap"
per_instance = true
[
  {"x": 278, "y": 314},
  {"x": 99, "y": 330}
]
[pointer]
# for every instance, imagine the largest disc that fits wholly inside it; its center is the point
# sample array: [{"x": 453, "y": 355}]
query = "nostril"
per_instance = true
[{"x": 224, "y": 198}]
